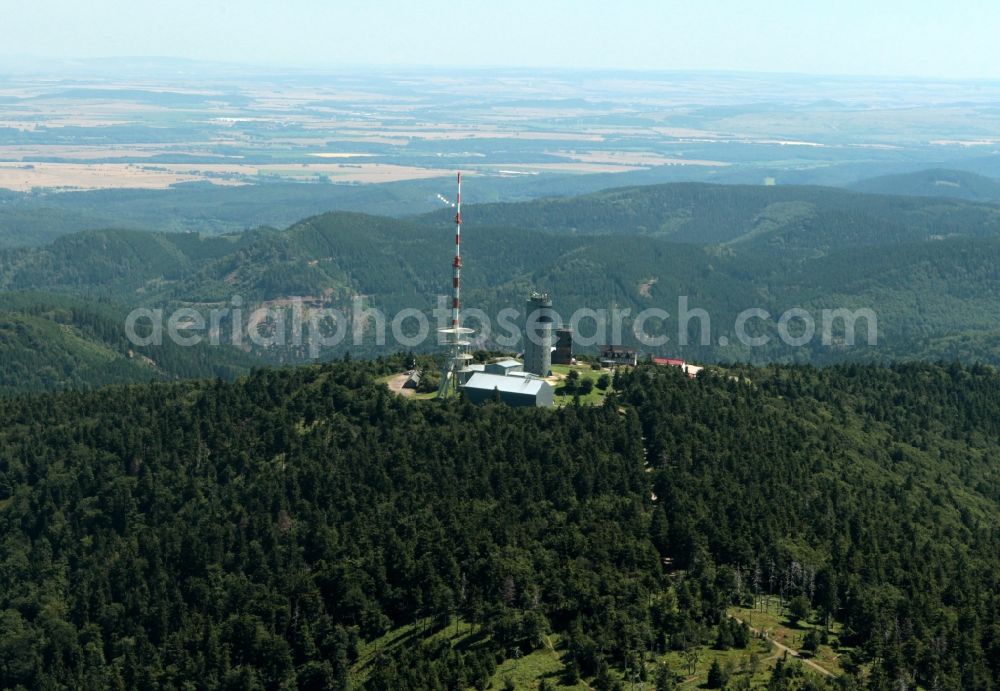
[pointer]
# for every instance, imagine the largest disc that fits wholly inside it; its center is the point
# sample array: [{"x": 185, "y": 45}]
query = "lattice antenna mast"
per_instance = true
[
  {"x": 456, "y": 303},
  {"x": 456, "y": 341}
]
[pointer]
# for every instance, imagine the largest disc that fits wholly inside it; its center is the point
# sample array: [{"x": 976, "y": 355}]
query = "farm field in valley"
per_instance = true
[{"x": 61, "y": 127}]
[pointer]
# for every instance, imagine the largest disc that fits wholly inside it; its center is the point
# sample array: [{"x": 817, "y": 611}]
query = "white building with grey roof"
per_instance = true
[{"x": 512, "y": 390}]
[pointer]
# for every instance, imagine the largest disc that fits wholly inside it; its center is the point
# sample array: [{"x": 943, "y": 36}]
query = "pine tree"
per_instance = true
[{"x": 716, "y": 677}]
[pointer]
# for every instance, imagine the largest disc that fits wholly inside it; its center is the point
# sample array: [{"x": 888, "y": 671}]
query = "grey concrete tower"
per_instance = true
[{"x": 538, "y": 327}]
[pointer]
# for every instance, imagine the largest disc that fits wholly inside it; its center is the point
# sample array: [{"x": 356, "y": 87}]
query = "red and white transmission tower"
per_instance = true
[{"x": 456, "y": 341}]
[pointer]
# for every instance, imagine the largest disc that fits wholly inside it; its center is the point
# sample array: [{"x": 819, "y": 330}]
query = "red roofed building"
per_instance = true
[
  {"x": 672, "y": 362},
  {"x": 690, "y": 370}
]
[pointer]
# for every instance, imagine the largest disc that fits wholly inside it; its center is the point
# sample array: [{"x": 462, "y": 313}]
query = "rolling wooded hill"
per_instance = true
[
  {"x": 956, "y": 184},
  {"x": 263, "y": 534},
  {"x": 783, "y": 220},
  {"x": 927, "y": 267}
]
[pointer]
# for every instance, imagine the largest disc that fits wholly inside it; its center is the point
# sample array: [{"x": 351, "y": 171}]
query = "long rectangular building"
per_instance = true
[{"x": 514, "y": 391}]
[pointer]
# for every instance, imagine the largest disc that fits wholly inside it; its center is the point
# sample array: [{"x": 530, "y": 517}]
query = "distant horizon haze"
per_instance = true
[
  {"x": 12, "y": 63},
  {"x": 851, "y": 39}
]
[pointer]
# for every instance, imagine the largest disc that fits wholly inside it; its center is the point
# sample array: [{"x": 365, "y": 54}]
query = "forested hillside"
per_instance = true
[
  {"x": 38, "y": 217},
  {"x": 956, "y": 184},
  {"x": 259, "y": 534},
  {"x": 126, "y": 265},
  {"x": 772, "y": 219},
  {"x": 926, "y": 267},
  {"x": 57, "y": 342},
  {"x": 783, "y": 223}
]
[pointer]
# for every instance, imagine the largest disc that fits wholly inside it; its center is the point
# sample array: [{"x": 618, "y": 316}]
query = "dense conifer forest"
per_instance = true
[
  {"x": 277, "y": 411},
  {"x": 263, "y": 533}
]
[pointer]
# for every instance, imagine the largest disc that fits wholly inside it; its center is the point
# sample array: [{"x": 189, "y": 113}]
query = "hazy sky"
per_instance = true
[{"x": 960, "y": 38}]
